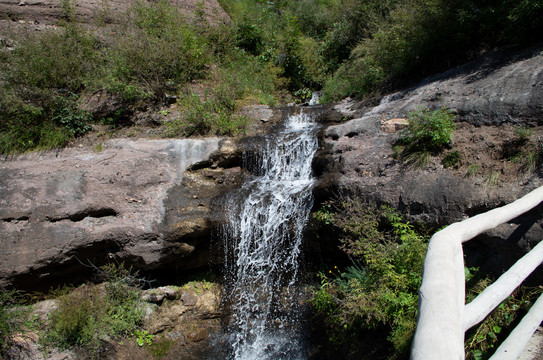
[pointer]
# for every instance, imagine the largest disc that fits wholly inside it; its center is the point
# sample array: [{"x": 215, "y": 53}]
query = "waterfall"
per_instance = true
[
  {"x": 262, "y": 245},
  {"x": 315, "y": 98}
]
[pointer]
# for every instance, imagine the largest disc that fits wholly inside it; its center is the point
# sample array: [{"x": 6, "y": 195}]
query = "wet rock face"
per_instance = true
[{"x": 135, "y": 201}]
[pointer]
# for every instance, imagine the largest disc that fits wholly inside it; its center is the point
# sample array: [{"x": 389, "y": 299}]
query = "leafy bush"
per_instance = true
[
  {"x": 429, "y": 130},
  {"x": 428, "y": 133},
  {"x": 90, "y": 313},
  {"x": 359, "y": 75},
  {"x": 249, "y": 37},
  {"x": 37, "y": 102},
  {"x": 59, "y": 60},
  {"x": 210, "y": 115},
  {"x": 380, "y": 288},
  {"x": 72, "y": 119},
  {"x": 157, "y": 47},
  {"x": 409, "y": 39}
]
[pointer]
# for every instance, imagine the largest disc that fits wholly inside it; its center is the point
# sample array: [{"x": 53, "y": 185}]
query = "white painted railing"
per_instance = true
[{"x": 443, "y": 316}]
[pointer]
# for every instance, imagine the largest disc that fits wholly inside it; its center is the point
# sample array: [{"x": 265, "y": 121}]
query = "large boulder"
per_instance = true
[{"x": 64, "y": 212}]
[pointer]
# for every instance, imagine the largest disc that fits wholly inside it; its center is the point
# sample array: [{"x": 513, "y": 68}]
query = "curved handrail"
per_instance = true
[{"x": 440, "y": 323}]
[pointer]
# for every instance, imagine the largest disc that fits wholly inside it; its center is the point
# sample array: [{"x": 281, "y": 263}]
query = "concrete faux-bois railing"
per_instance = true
[{"x": 443, "y": 315}]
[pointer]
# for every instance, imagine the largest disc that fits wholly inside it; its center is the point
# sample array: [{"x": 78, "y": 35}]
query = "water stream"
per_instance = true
[{"x": 263, "y": 244}]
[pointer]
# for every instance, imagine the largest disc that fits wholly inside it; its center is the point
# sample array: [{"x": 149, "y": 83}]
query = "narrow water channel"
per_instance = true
[{"x": 263, "y": 244}]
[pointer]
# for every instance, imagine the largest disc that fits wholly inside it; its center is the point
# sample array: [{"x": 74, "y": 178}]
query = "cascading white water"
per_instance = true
[
  {"x": 315, "y": 98},
  {"x": 263, "y": 245}
]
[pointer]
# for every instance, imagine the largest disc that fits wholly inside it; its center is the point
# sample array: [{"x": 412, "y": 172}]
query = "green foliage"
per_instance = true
[
  {"x": 12, "y": 319},
  {"x": 59, "y": 60},
  {"x": 325, "y": 214},
  {"x": 249, "y": 37},
  {"x": 428, "y": 133},
  {"x": 380, "y": 288},
  {"x": 199, "y": 286},
  {"x": 73, "y": 120},
  {"x": 348, "y": 47},
  {"x": 451, "y": 159},
  {"x": 156, "y": 48},
  {"x": 429, "y": 130},
  {"x": 152, "y": 54},
  {"x": 91, "y": 313},
  {"x": 323, "y": 298},
  {"x": 143, "y": 337},
  {"x": 483, "y": 339},
  {"x": 409, "y": 39},
  {"x": 359, "y": 75},
  {"x": 210, "y": 115},
  {"x": 41, "y": 75}
]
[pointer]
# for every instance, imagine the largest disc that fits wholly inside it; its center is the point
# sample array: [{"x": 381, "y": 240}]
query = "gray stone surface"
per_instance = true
[
  {"x": 356, "y": 156},
  {"x": 60, "y": 210}
]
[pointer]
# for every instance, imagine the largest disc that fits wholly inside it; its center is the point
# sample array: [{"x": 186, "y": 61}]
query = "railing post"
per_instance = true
[{"x": 440, "y": 330}]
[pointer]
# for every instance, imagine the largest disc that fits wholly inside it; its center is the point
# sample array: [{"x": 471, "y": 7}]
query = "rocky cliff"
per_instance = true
[
  {"x": 156, "y": 203},
  {"x": 492, "y": 98}
]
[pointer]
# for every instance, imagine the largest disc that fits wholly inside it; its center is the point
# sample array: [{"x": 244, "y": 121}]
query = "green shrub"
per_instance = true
[
  {"x": 72, "y": 119},
  {"x": 429, "y": 130},
  {"x": 380, "y": 288},
  {"x": 91, "y": 313},
  {"x": 60, "y": 59},
  {"x": 428, "y": 133},
  {"x": 313, "y": 64},
  {"x": 245, "y": 80},
  {"x": 409, "y": 39},
  {"x": 214, "y": 114},
  {"x": 249, "y": 37},
  {"x": 360, "y": 75},
  {"x": 37, "y": 99},
  {"x": 24, "y": 136},
  {"x": 157, "y": 47}
]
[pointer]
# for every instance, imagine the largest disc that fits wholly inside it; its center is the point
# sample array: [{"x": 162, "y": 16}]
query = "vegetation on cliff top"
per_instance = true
[{"x": 272, "y": 51}]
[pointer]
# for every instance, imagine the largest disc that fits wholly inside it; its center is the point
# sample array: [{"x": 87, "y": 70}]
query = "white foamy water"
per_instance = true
[{"x": 262, "y": 245}]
